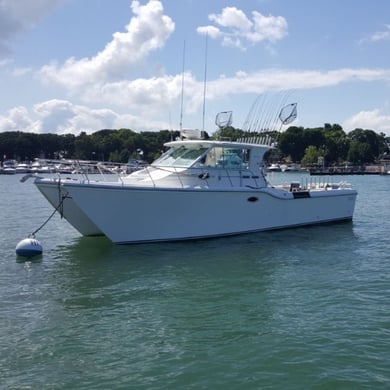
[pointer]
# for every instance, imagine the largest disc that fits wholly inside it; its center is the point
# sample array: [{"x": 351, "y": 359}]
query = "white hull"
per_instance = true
[
  {"x": 55, "y": 194},
  {"x": 197, "y": 189},
  {"x": 142, "y": 215}
]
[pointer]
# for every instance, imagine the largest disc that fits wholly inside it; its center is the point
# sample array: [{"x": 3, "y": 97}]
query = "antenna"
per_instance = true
[
  {"x": 182, "y": 86},
  {"x": 204, "y": 81}
]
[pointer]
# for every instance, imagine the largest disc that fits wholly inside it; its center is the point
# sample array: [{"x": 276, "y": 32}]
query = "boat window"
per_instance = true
[
  {"x": 180, "y": 157},
  {"x": 227, "y": 158}
]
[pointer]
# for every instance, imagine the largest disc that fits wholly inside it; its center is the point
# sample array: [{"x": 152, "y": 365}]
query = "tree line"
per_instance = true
[
  {"x": 104, "y": 145},
  {"x": 296, "y": 144},
  {"x": 329, "y": 143}
]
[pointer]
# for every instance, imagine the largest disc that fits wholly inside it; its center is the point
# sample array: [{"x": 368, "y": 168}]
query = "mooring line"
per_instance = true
[{"x": 48, "y": 219}]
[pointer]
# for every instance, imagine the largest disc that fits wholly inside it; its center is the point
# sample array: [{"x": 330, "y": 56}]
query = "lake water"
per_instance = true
[{"x": 307, "y": 308}]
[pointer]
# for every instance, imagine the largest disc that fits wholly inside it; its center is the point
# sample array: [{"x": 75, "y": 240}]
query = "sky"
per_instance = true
[{"x": 72, "y": 66}]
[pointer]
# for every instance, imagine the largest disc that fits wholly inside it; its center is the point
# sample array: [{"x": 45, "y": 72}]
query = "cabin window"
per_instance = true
[{"x": 227, "y": 158}]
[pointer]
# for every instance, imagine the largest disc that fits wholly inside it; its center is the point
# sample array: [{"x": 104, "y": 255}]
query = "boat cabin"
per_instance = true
[{"x": 213, "y": 155}]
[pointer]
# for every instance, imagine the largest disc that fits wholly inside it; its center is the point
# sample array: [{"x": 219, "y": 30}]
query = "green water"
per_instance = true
[{"x": 307, "y": 308}]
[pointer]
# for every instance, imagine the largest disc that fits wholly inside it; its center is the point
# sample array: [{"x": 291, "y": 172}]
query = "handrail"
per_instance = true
[
  {"x": 202, "y": 176},
  {"x": 150, "y": 176},
  {"x": 207, "y": 174}
]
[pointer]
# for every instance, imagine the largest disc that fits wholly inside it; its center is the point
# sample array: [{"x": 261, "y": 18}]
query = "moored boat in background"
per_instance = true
[
  {"x": 9, "y": 167},
  {"x": 23, "y": 167},
  {"x": 274, "y": 168}
]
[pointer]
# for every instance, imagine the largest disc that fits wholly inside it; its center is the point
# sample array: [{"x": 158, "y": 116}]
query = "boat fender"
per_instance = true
[{"x": 29, "y": 247}]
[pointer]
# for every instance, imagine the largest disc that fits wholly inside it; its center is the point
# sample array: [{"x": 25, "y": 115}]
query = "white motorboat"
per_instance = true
[
  {"x": 274, "y": 168},
  {"x": 9, "y": 167},
  {"x": 41, "y": 166},
  {"x": 290, "y": 168},
  {"x": 199, "y": 188},
  {"x": 53, "y": 190},
  {"x": 22, "y": 167}
]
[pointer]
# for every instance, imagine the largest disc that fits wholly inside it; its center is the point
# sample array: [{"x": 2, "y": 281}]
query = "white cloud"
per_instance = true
[
  {"x": 378, "y": 36},
  {"x": 381, "y": 35},
  {"x": 147, "y": 30},
  {"x": 148, "y": 103},
  {"x": 211, "y": 31},
  {"x": 19, "y": 15},
  {"x": 17, "y": 119},
  {"x": 268, "y": 28},
  {"x": 237, "y": 30},
  {"x": 232, "y": 17},
  {"x": 147, "y": 97},
  {"x": 285, "y": 79},
  {"x": 63, "y": 117},
  {"x": 372, "y": 120}
]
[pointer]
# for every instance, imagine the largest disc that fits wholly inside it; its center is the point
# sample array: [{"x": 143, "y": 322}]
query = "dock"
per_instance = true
[{"x": 351, "y": 170}]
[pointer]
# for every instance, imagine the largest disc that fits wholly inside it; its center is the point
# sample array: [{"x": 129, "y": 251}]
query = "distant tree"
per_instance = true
[
  {"x": 334, "y": 127},
  {"x": 228, "y": 133},
  {"x": 50, "y": 145},
  {"x": 336, "y": 143},
  {"x": 67, "y": 146},
  {"x": 314, "y": 137},
  {"x": 367, "y": 146},
  {"x": 27, "y": 146},
  {"x": 84, "y": 148},
  {"x": 312, "y": 155},
  {"x": 151, "y": 143},
  {"x": 291, "y": 143},
  {"x": 359, "y": 153},
  {"x": 359, "y": 146},
  {"x": 8, "y": 141}
]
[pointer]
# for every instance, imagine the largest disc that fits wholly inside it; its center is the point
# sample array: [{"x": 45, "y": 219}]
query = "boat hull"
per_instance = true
[
  {"x": 59, "y": 198},
  {"x": 128, "y": 214}
]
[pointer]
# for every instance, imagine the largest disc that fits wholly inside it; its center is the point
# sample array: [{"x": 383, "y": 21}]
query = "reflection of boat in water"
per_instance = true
[{"x": 198, "y": 188}]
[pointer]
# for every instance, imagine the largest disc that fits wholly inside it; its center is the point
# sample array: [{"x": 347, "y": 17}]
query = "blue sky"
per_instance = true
[{"x": 68, "y": 66}]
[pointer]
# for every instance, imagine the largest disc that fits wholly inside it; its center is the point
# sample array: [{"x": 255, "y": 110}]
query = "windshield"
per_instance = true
[
  {"x": 217, "y": 157},
  {"x": 180, "y": 157}
]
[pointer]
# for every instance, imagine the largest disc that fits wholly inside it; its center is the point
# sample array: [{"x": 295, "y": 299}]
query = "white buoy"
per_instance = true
[{"x": 29, "y": 247}]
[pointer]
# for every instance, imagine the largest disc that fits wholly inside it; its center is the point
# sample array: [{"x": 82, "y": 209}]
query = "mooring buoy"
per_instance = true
[{"x": 29, "y": 247}]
